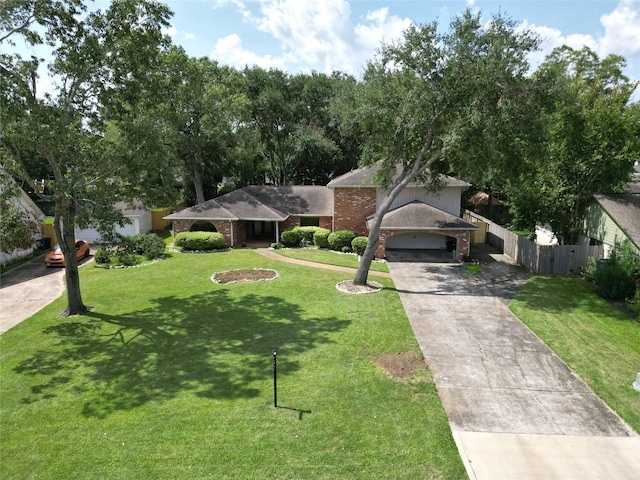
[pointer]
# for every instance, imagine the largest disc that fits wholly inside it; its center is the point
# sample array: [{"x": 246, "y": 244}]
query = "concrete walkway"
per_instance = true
[
  {"x": 515, "y": 409},
  {"x": 26, "y": 290}
]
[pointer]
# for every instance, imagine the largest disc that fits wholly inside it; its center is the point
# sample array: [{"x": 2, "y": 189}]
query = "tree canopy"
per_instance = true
[{"x": 429, "y": 95}]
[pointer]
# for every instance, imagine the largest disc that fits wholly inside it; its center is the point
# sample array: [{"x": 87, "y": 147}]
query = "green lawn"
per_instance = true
[
  {"x": 170, "y": 377},
  {"x": 329, "y": 257},
  {"x": 599, "y": 342}
]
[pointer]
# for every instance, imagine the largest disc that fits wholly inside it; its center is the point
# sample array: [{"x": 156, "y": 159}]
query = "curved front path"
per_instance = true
[{"x": 516, "y": 410}]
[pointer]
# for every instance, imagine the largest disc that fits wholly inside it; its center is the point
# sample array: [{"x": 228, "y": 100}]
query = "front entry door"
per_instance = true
[{"x": 259, "y": 230}]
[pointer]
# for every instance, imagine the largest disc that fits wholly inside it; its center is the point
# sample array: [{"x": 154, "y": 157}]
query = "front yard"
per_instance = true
[{"x": 170, "y": 376}]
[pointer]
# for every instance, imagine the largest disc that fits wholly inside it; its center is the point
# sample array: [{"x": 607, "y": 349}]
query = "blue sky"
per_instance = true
[{"x": 326, "y": 35}]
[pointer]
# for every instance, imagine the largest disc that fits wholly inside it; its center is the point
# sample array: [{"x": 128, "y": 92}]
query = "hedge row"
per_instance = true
[
  {"x": 200, "y": 241},
  {"x": 341, "y": 240}
]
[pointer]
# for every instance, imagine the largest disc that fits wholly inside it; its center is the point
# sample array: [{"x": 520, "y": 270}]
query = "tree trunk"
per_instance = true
[
  {"x": 64, "y": 226},
  {"x": 196, "y": 175},
  {"x": 403, "y": 179}
]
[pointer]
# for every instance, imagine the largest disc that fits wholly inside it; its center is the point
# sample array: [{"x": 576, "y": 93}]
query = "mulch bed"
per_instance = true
[{"x": 239, "y": 276}]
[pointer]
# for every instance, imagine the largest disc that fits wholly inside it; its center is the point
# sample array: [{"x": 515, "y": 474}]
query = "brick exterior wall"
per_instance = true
[
  {"x": 351, "y": 207},
  {"x": 463, "y": 240}
]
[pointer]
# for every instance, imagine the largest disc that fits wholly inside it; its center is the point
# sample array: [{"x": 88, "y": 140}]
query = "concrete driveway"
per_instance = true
[
  {"x": 516, "y": 410},
  {"x": 26, "y": 290}
]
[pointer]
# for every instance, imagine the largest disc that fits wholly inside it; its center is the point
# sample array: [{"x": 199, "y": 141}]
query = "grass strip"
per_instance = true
[
  {"x": 598, "y": 341},
  {"x": 329, "y": 257}
]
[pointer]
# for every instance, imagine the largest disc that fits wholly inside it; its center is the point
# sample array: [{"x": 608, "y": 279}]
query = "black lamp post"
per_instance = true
[{"x": 275, "y": 379}]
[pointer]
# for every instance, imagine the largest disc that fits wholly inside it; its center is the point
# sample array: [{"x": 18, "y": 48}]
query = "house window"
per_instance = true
[{"x": 309, "y": 221}]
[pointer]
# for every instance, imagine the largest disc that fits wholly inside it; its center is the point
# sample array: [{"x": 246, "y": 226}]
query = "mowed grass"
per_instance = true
[
  {"x": 170, "y": 377},
  {"x": 598, "y": 341},
  {"x": 329, "y": 257}
]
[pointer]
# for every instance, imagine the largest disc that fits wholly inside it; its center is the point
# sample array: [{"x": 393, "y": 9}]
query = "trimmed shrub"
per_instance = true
[
  {"x": 291, "y": 238},
  {"x": 126, "y": 258},
  {"x": 102, "y": 256},
  {"x": 148, "y": 244},
  {"x": 276, "y": 246},
  {"x": 341, "y": 238},
  {"x": 203, "y": 241},
  {"x": 321, "y": 238},
  {"x": 359, "y": 245},
  {"x": 307, "y": 232},
  {"x": 346, "y": 249}
]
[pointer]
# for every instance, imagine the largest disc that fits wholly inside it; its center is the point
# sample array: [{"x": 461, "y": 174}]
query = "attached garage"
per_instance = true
[
  {"x": 417, "y": 241},
  {"x": 418, "y": 226}
]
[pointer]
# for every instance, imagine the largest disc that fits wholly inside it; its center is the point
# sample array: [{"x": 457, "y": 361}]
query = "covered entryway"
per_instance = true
[{"x": 261, "y": 230}]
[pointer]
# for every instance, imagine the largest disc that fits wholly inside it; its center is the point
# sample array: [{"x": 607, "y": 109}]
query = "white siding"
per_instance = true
[
  {"x": 139, "y": 224},
  {"x": 447, "y": 199}
]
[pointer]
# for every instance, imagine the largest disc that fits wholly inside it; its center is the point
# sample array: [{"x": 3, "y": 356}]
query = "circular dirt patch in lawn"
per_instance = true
[
  {"x": 238, "y": 276},
  {"x": 347, "y": 286},
  {"x": 401, "y": 364}
]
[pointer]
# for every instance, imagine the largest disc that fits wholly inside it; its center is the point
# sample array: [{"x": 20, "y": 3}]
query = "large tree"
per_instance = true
[
  {"x": 203, "y": 105},
  {"x": 101, "y": 68},
  {"x": 423, "y": 97},
  {"x": 589, "y": 142}
]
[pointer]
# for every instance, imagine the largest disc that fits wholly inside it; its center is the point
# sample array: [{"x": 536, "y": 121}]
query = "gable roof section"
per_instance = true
[
  {"x": 262, "y": 203},
  {"x": 624, "y": 209},
  {"x": 420, "y": 216},
  {"x": 364, "y": 177}
]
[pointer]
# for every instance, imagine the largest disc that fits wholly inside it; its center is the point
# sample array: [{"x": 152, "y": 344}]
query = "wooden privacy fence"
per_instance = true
[{"x": 541, "y": 259}]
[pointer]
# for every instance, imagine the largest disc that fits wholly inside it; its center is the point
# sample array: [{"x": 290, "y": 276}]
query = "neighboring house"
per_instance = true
[
  {"x": 139, "y": 222},
  {"x": 418, "y": 219},
  {"x": 612, "y": 219},
  {"x": 31, "y": 210}
]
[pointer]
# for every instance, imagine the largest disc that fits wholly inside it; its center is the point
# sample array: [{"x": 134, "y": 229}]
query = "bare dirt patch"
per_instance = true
[
  {"x": 239, "y": 276},
  {"x": 347, "y": 286},
  {"x": 401, "y": 364}
]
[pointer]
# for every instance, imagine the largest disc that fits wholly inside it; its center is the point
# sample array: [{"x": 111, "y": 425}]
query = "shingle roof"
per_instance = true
[
  {"x": 267, "y": 203},
  {"x": 364, "y": 177},
  {"x": 420, "y": 216},
  {"x": 624, "y": 209}
]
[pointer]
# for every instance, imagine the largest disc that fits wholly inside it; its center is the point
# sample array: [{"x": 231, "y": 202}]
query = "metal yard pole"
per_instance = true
[{"x": 275, "y": 379}]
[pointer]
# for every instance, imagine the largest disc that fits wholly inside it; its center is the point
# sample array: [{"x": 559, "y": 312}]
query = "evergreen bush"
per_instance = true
[
  {"x": 321, "y": 238},
  {"x": 291, "y": 238},
  {"x": 102, "y": 256},
  {"x": 341, "y": 238},
  {"x": 359, "y": 245}
]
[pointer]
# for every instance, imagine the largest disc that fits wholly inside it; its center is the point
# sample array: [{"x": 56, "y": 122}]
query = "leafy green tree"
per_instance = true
[
  {"x": 299, "y": 142},
  {"x": 203, "y": 104},
  {"x": 101, "y": 67},
  {"x": 18, "y": 227},
  {"x": 423, "y": 97},
  {"x": 589, "y": 142}
]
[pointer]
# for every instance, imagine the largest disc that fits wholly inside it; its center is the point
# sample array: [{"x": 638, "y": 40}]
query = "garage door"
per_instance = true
[{"x": 418, "y": 240}]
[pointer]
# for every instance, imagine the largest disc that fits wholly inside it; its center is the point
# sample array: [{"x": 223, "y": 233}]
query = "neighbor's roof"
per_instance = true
[
  {"x": 482, "y": 198},
  {"x": 364, "y": 177},
  {"x": 262, "y": 203},
  {"x": 420, "y": 216},
  {"x": 624, "y": 209}
]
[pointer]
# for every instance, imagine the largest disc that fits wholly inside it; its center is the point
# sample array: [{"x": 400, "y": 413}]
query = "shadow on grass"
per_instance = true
[{"x": 215, "y": 345}]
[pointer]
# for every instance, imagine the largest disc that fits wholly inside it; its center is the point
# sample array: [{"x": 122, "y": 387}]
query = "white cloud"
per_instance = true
[
  {"x": 316, "y": 34},
  {"x": 621, "y": 36},
  {"x": 229, "y": 50},
  {"x": 622, "y": 30}
]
